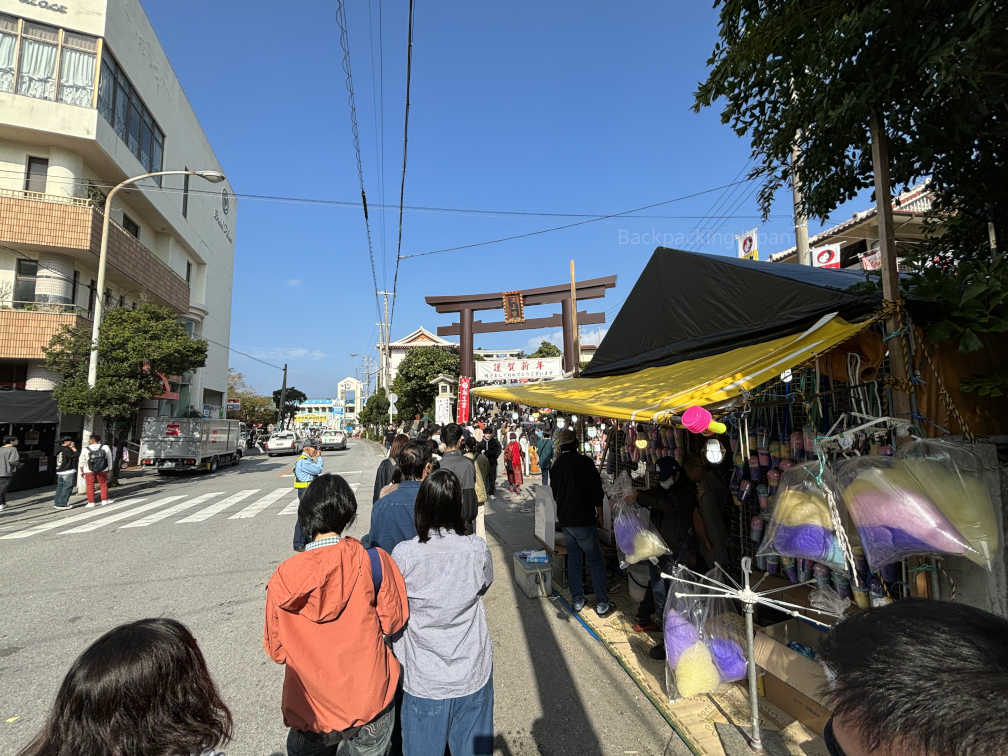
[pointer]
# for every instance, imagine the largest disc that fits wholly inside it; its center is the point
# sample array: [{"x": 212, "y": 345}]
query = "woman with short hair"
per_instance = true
[
  {"x": 141, "y": 689},
  {"x": 445, "y": 650}
]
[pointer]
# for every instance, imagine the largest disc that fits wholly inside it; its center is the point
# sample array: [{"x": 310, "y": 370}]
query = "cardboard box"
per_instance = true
[{"x": 793, "y": 682}]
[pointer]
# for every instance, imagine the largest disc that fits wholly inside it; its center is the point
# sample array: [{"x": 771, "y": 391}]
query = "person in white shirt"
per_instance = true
[{"x": 95, "y": 463}]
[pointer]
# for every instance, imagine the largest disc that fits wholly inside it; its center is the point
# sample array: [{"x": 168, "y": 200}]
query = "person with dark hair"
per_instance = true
[
  {"x": 492, "y": 449},
  {"x": 446, "y": 652},
  {"x": 713, "y": 501},
  {"x": 66, "y": 472},
  {"x": 577, "y": 490},
  {"x": 95, "y": 462},
  {"x": 392, "y": 514},
  {"x": 513, "y": 461},
  {"x": 917, "y": 677},
  {"x": 10, "y": 460},
  {"x": 544, "y": 448},
  {"x": 141, "y": 688},
  {"x": 307, "y": 467},
  {"x": 472, "y": 451},
  {"x": 388, "y": 470},
  {"x": 453, "y": 459},
  {"x": 328, "y": 610}
]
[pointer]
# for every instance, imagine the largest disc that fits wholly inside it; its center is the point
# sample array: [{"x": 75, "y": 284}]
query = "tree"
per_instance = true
[
  {"x": 253, "y": 409},
  {"x": 375, "y": 412},
  {"x": 291, "y": 402},
  {"x": 413, "y": 382},
  {"x": 547, "y": 349},
  {"x": 135, "y": 348},
  {"x": 236, "y": 382}
]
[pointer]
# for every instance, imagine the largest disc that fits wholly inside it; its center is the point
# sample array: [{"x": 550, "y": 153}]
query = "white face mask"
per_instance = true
[{"x": 667, "y": 484}]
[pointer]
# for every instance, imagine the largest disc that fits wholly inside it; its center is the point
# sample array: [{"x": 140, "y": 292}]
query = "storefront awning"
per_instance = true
[{"x": 653, "y": 394}]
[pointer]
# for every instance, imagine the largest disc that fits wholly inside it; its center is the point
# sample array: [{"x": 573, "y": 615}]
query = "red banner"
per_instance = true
[{"x": 463, "y": 399}]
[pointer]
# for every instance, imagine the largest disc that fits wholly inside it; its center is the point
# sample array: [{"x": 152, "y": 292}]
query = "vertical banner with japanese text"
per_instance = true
[{"x": 465, "y": 382}]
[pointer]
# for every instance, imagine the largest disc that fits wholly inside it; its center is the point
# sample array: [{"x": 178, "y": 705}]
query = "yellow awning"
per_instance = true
[{"x": 655, "y": 393}]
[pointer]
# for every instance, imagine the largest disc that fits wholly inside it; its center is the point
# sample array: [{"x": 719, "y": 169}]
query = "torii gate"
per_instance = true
[{"x": 513, "y": 303}]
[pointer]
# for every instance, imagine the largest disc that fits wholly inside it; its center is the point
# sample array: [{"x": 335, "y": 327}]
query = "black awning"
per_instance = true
[
  {"x": 28, "y": 407},
  {"x": 687, "y": 305}
]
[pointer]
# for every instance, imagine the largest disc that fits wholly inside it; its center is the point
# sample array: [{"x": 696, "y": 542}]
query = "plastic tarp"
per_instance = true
[
  {"x": 28, "y": 407},
  {"x": 655, "y": 394},
  {"x": 687, "y": 305}
]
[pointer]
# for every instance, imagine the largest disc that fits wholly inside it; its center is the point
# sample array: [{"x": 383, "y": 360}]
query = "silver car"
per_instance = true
[{"x": 284, "y": 442}]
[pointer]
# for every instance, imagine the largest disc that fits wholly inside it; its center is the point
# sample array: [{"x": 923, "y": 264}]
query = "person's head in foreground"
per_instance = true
[
  {"x": 927, "y": 678},
  {"x": 327, "y": 508},
  {"x": 439, "y": 505},
  {"x": 142, "y": 689}
]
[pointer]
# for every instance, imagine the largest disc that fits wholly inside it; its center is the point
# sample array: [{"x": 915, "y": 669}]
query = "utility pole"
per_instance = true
[
  {"x": 386, "y": 368},
  {"x": 890, "y": 274},
  {"x": 283, "y": 399},
  {"x": 800, "y": 219},
  {"x": 574, "y": 323}
]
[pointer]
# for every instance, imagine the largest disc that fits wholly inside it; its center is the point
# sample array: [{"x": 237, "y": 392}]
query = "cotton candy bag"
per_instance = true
[
  {"x": 952, "y": 475},
  {"x": 634, "y": 539},
  {"x": 894, "y": 515},
  {"x": 800, "y": 524}
]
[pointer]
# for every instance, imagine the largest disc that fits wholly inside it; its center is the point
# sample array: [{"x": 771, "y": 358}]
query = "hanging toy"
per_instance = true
[
  {"x": 775, "y": 453},
  {"x": 773, "y": 480},
  {"x": 790, "y": 570},
  {"x": 763, "y": 496},
  {"x": 755, "y": 474},
  {"x": 797, "y": 446},
  {"x": 700, "y": 421}
]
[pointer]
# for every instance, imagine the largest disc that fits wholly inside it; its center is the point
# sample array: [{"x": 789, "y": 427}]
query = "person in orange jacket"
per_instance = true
[{"x": 329, "y": 610}]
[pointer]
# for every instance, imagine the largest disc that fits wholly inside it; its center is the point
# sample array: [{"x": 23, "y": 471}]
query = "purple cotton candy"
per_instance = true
[
  {"x": 625, "y": 528},
  {"x": 883, "y": 545},
  {"x": 807, "y": 542},
  {"x": 728, "y": 658},
  {"x": 679, "y": 635}
]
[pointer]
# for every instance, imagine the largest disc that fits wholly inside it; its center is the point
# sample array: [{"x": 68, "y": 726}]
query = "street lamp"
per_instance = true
[{"x": 214, "y": 177}]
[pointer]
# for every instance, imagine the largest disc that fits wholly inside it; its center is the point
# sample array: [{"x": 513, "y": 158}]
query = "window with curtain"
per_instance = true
[
  {"x": 39, "y": 48},
  {"x": 8, "y": 44},
  {"x": 77, "y": 69}
]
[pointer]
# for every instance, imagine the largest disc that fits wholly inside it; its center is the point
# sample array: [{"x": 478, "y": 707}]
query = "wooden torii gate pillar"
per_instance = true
[{"x": 513, "y": 303}]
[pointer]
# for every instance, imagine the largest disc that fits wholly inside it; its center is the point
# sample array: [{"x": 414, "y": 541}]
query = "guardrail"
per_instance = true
[{"x": 43, "y": 197}]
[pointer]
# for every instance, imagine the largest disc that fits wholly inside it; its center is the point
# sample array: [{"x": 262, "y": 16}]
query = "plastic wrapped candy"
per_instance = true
[
  {"x": 894, "y": 516},
  {"x": 633, "y": 537},
  {"x": 702, "y": 643},
  {"x": 953, "y": 477},
  {"x": 800, "y": 525}
]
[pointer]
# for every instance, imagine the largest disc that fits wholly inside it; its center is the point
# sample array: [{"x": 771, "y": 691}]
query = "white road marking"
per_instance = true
[
  {"x": 87, "y": 514},
  {"x": 95, "y": 524},
  {"x": 258, "y": 506},
  {"x": 165, "y": 513},
  {"x": 290, "y": 508},
  {"x": 220, "y": 506}
]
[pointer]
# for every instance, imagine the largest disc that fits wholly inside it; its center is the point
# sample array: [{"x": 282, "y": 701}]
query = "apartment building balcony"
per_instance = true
[
  {"x": 27, "y": 327},
  {"x": 71, "y": 226}
]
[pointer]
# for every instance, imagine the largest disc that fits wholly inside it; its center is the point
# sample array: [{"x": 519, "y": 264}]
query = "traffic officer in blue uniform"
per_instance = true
[{"x": 309, "y": 465}]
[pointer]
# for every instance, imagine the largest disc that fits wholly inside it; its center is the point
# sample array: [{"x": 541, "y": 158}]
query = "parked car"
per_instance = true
[
  {"x": 333, "y": 440},
  {"x": 284, "y": 442}
]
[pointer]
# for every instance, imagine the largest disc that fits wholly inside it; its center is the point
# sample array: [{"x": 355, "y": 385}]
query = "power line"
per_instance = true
[
  {"x": 345, "y": 44},
  {"x": 402, "y": 183},
  {"x": 243, "y": 354},
  {"x": 571, "y": 225},
  {"x": 356, "y": 203}
]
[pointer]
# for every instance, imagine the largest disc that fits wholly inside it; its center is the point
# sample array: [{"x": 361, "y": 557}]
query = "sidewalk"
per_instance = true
[{"x": 706, "y": 724}]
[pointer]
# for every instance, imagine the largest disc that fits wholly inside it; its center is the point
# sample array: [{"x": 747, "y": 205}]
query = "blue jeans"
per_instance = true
[
  {"x": 372, "y": 739},
  {"x": 583, "y": 542},
  {"x": 545, "y": 476},
  {"x": 659, "y": 587},
  {"x": 464, "y": 724},
  {"x": 64, "y": 487}
]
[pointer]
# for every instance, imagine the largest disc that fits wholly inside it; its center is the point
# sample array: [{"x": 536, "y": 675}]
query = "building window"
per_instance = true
[
  {"x": 76, "y": 283},
  {"x": 131, "y": 226},
  {"x": 37, "y": 67},
  {"x": 8, "y": 44},
  {"x": 92, "y": 288},
  {"x": 185, "y": 195},
  {"x": 35, "y": 176},
  {"x": 121, "y": 106},
  {"x": 77, "y": 69},
  {"x": 188, "y": 272},
  {"x": 25, "y": 274}
]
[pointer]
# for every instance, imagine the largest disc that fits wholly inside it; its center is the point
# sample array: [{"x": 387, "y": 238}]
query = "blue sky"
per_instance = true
[{"x": 555, "y": 107}]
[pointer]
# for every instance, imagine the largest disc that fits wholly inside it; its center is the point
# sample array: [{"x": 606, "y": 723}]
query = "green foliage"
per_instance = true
[
  {"x": 413, "y": 382},
  {"x": 375, "y": 412},
  {"x": 547, "y": 349},
  {"x": 291, "y": 401},
  {"x": 133, "y": 347},
  {"x": 255, "y": 408},
  {"x": 790, "y": 72}
]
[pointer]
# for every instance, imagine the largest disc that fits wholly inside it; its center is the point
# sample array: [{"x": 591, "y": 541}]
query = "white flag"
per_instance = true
[{"x": 747, "y": 245}]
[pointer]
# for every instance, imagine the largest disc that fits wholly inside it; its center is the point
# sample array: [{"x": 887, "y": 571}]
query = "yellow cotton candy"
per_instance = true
[
  {"x": 795, "y": 507},
  {"x": 965, "y": 501},
  {"x": 648, "y": 544},
  {"x": 696, "y": 673}
]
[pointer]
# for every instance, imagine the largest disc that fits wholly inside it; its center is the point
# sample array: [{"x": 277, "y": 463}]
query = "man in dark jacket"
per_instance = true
[
  {"x": 577, "y": 490},
  {"x": 492, "y": 450},
  {"x": 464, "y": 469},
  {"x": 66, "y": 472}
]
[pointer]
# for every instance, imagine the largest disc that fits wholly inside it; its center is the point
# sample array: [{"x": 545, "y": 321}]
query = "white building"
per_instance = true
[
  {"x": 351, "y": 394},
  {"x": 87, "y": 99},
  {"x": 318, "y": 413},
  {"x": 421, "y": 337}
]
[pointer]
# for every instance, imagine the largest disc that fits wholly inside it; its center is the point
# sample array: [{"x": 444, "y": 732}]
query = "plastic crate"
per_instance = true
[{"x": 534, "y": 578}]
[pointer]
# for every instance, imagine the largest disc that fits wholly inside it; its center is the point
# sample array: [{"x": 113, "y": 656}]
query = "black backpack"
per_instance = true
[{"x": 96, "y": 460}]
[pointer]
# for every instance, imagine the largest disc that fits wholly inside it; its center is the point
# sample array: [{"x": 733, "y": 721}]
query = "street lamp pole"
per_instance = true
[{"x": 211, "y": 176}]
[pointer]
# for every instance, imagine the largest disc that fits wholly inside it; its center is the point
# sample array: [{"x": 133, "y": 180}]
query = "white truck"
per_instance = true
[{"x": 171, "y": 443}]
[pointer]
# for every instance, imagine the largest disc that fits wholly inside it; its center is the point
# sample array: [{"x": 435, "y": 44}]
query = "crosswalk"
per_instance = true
[{"x": 143, "y": 511}]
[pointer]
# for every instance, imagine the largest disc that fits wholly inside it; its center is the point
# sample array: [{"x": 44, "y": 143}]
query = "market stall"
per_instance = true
[{"x": 836, "y": 505}]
